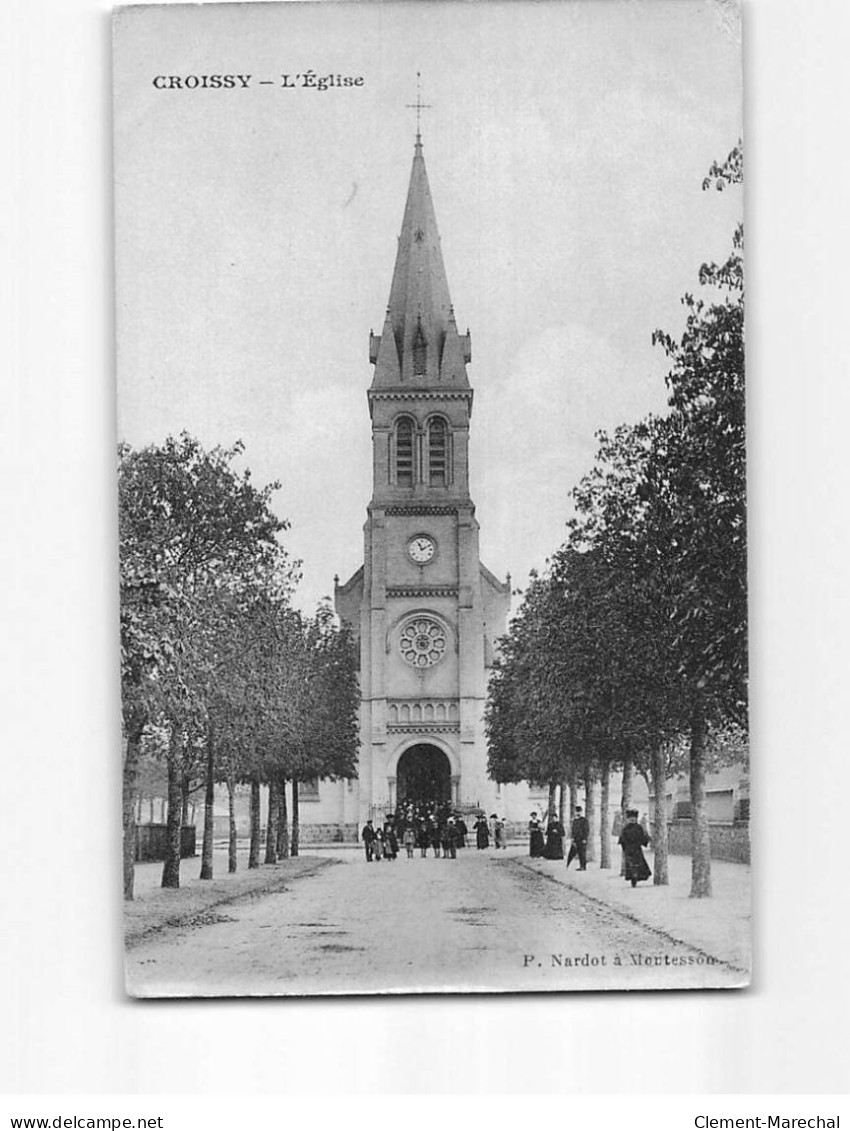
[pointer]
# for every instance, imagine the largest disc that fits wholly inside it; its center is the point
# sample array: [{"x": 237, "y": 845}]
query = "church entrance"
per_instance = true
[{"x": 424, "y": 775}]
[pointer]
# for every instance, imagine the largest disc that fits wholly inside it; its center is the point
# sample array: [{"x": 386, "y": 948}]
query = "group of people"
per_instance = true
[
  {"x": 548, "y": 843},
  {"x": 491, "y": 829},
  {"x": 632, "y": 837},
  {"x": 436, "y": 827},
  {"x": 440, "y": 828}
]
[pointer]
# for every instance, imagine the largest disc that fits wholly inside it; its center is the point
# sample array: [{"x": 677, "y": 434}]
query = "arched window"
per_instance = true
[
  {"x": 437, "y": 452},
  {"x": 404, "y": 452}
]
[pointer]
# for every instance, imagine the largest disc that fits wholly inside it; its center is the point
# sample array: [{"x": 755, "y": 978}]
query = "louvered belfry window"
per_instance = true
[
  {"x": 437, "y": 452},
  {"x": 419, "y": 353},
  {"x": 404, "y": 453}
]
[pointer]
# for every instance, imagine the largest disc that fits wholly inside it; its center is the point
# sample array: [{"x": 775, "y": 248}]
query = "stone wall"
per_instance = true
[{"x": 728, "y": 842}]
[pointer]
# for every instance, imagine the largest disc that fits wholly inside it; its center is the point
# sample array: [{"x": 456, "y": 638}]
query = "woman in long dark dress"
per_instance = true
[
  {"x": 461, "y": 831},
  {"x": 536, "y": 844},
  {"x": 555, "y": 834},
  {"x": 633, "y": 839},
  {"x": 482, "y": 832}
]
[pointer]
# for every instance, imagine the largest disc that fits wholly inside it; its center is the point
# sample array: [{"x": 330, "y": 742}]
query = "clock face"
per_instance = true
[{"x": 421, "y": 549}]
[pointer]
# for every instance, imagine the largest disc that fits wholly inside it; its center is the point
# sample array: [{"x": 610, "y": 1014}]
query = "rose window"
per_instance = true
[{"x": 423, "y": 642}]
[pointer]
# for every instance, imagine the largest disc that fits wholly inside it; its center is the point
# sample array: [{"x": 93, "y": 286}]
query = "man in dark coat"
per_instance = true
[
  {"x": 368, "y": 838},
  {"x": 579, "y": 831}
]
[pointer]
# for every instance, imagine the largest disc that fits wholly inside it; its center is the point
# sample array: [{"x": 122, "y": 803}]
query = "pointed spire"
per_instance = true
[
  {"x": 455, "y": 355},
  {"x": 385, "y": 357},
  {"x": 420, "y": 312}
]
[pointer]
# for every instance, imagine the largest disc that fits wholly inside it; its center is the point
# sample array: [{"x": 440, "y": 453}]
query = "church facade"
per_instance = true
[{"x": 425, "y": 611}]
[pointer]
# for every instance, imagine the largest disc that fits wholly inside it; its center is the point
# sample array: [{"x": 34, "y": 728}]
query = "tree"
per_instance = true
[
  {"x": 696, "y": 489},
  {"x": 327, "y": 696},
  {"x": 530, "y": 718},
  {"x": 637, "y": 633},
  {"x": 191, "y": 529}
]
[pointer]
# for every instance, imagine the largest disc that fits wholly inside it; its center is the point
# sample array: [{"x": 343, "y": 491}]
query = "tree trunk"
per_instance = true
[
  {"x": 562, "y": 804},
  {"x": 174, "y": 820},
  {"x": 128, "y": 807},
  {"x": 231, "y": 824},
  {"x": 209, "y": 804},
  {"x": 150, "y": 811},
  {"x": 572, "y": 781},
  {"x": 628, "y": 784},
  {"x": 271, "y": 824},
  {"x": 604, "y": 817},
  {"x": 659, "y": 816},
  {"x": 590, "y": 807},
  {"x": 553, "y": 797},
  {"x": 254, "y": 850},
  {"x": 282, "y": 822},
  {"x": 139, "y": 803},
  {"x": 626, "y": 800},
  {"x": 700, "y": 840},
  {"x": 295, "y": 823},
  {"x": 184, "y": 794}
]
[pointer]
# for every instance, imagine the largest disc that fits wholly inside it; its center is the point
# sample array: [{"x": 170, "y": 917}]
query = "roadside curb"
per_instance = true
[
  {"x": 269, "y": 883},
  {"x": 630, "y": 916}
]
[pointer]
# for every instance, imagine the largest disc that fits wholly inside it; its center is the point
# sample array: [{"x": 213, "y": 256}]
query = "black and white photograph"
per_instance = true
[{"x": 432, "y": 497}]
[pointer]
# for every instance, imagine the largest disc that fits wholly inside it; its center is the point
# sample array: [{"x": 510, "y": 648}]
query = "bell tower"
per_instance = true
[{"x": 426, "y": 610}]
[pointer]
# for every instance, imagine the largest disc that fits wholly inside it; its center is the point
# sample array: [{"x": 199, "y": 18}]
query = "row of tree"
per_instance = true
[
  {"x": 633, "y": 644},
  {"x": 222, "y": 679}
]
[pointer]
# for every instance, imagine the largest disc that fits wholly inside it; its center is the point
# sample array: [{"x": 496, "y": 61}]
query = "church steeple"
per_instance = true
[{"x": 424, "y": 349}]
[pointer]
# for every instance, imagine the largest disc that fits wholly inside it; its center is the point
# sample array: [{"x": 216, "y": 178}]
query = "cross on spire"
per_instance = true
[{"x": 418, "y": 106}]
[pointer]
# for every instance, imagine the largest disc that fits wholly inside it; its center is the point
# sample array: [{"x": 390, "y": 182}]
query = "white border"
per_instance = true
[{"x": 64, "y": 1025}]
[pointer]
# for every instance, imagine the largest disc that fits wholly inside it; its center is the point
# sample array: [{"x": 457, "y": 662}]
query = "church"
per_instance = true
[{"x": 425, "y": 612}]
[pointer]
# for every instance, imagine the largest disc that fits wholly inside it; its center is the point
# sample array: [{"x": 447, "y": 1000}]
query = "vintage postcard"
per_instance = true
[{"x": 432, "y": 467}]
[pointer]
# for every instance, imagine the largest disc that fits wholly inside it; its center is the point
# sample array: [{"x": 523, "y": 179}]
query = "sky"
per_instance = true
[{"x": 565, "y": 143}]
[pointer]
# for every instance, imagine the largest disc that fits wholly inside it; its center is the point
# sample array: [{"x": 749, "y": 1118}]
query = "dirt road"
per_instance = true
[{"x": 481, "y": 922}]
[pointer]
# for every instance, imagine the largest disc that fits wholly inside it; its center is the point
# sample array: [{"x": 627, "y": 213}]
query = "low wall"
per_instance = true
[
  {"x": 728, "y": 842},
  {"x": 327, "y": 834},
  {"x": 151, "y": 841}
]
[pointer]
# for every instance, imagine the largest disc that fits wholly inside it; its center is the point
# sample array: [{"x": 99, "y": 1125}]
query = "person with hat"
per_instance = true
[
  {"x": 500, "y": 836},
  {"x": 536, "y": 844},
  {"x": 450, "y": 839},
  {"x": 368, "y": 838},
  {"x": 461, "y": 830},
  {"x": 378, "y": 844},
  {"x": 633, "y": 839},
  {"x": 555, "y": 833},
  {"x": 424, "y": 836},
  {"x": 482, "y": 832},
  {"x": 436, "y": 835},
  {"x": 390, "y": 840},
  {"x": 579, "y": 832}
]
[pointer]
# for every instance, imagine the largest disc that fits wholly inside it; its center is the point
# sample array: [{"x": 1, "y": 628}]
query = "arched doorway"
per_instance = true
[{"x": 424, "y": 774}]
